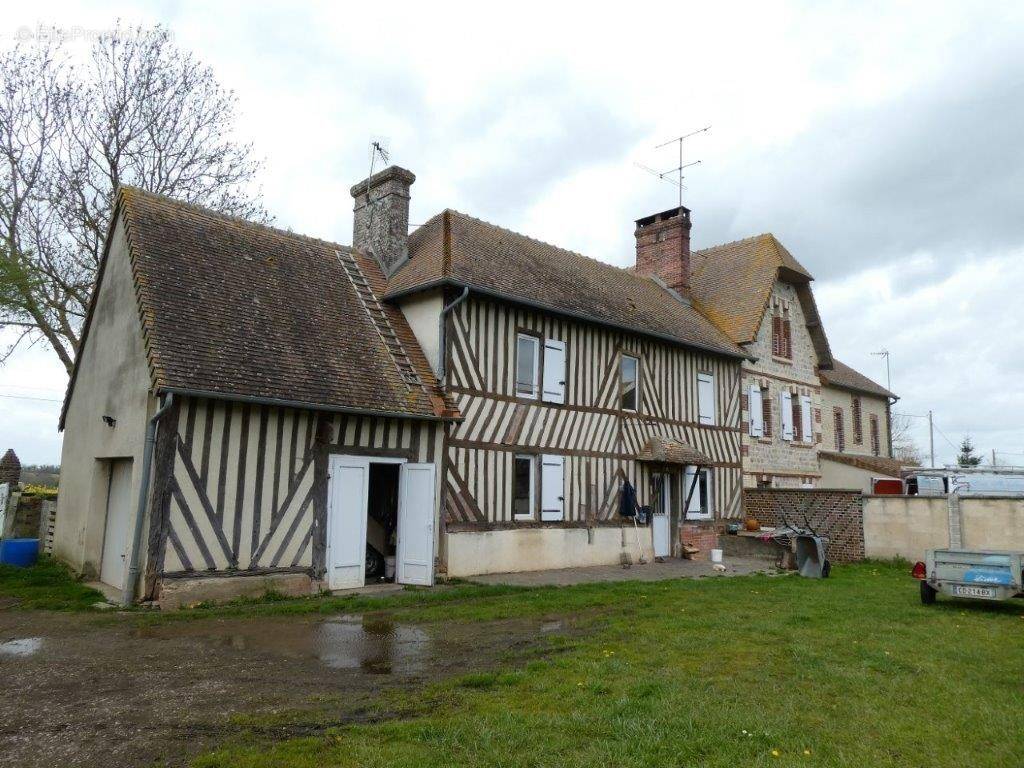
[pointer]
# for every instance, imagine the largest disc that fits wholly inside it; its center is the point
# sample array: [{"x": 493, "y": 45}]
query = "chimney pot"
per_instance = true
[
  {"x": 663, "y": 248},
  {"x": 380, "y": 216}
]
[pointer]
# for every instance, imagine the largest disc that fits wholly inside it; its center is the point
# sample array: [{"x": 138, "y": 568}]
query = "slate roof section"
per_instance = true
[
  {"x": 459, "y": 250},
  {"x": 843, "y": 376},
  {"x": 881, "y": 465},
  {"x": 732, "y": 283},
  {"x": 238, "y": 309}
]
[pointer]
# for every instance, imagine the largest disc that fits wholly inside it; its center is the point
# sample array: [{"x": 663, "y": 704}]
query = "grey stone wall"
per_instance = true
[{"x": 786, "y": 464}]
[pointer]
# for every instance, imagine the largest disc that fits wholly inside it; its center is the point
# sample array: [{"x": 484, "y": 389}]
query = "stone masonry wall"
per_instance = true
[
  {"x": 787, "y": 464},
  {"x": 869, "y": 405},
  {"x": 839, "y": 515}
]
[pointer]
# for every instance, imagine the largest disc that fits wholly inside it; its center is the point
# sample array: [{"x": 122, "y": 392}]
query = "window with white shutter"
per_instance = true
[
  {"x": 806, "y": 427},
  {"x": 756, "y": 408},
  {"x": 706, "y": 398},
  {"x": 702, "y": 505},
  {"x": 554, "y": 371},
  {"x": 552, "y": 487},
  {"x": 527, "y": 365},
  {"x": 786, "y": 414}
]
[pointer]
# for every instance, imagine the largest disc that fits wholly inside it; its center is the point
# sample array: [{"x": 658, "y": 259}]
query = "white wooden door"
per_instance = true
[
  {"x": 661, "y": 518},
  {"x": 115, "y": 532},
  {"x": 415, "y": 554},
  {"x": 346, "y": 522}
]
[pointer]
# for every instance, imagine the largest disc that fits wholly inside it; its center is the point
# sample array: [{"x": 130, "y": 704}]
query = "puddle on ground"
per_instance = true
[
  {"x": 23, "y": 646},
  {"x": 370, "y": 644}
]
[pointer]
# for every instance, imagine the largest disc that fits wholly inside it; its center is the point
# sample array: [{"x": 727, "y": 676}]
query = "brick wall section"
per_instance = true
[
  {"x": 703, "y": 537},
  {"x": 837, "y": 514}
]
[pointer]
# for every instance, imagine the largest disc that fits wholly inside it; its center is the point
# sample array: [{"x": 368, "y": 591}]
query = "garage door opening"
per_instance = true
[
  {"x": 382, "y": 523},
  {"x": 379, "y": 509}
]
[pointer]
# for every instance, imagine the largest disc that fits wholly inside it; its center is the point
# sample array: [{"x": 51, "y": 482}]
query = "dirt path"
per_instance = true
[{"x": 79, "y": 691}]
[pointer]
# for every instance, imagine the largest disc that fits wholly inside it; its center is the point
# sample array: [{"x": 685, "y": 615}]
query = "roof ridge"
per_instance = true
[
  {"x": 742, "y": 240},
  {"x": 207, "y": 211},
  {"x": 546, "y": 244}
]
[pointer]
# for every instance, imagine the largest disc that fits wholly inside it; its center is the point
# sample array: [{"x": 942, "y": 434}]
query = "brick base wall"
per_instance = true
[
  {"x": 703, "y": 537},
  {"x": 839, "y": 515}
]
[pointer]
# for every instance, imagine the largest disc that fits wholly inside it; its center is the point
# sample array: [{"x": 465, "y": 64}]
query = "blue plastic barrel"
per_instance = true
[{"x": 19, "y": 552}]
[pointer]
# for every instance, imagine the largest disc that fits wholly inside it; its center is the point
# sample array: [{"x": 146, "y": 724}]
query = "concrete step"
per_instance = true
[{"x": 741, "y": 545}]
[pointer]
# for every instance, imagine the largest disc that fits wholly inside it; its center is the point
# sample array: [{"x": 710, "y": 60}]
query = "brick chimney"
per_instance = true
[
  {"x": 380, "y": 216},
  {"x": 663, "y": 248}
]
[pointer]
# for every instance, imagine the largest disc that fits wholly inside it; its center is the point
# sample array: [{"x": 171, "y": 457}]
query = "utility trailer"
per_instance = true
[{"x": 976, "y": 575}]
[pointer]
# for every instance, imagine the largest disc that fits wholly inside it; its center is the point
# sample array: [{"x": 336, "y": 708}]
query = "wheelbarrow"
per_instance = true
[{"x": 807, "y": 546}]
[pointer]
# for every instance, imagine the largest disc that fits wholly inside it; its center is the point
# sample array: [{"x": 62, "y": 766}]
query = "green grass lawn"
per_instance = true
[
  {"x": 48, "y": 585},
  {"x": 749, "y": 671}
]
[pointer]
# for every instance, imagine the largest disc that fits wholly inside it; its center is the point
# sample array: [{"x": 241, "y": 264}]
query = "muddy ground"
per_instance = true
[{"x": 82, "y": 690}]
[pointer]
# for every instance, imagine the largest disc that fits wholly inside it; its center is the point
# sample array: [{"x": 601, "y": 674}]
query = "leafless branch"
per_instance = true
[{"x": 141, "y": 112}]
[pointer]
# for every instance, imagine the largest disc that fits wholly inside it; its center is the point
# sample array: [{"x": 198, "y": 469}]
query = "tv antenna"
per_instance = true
[
  {"x": 678, "y": 170},
  {"x": 379, "y": 149},
  {"x": 888, "y": 376}
]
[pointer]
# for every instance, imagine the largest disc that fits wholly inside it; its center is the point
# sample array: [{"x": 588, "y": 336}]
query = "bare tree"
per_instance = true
[
  {"x": 903, "y": 446},
  {"x": 140, "y": 112}
]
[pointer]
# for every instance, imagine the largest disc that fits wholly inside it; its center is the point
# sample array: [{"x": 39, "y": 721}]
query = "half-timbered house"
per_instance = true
[
  {"x": 572, "y": 376},
  {"x": 253, "y": 408},
  {"x": 240, "y": 391}
]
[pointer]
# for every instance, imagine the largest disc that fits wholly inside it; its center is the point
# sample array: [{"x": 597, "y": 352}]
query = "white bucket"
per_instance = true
[{"x": 716, "y": 555}]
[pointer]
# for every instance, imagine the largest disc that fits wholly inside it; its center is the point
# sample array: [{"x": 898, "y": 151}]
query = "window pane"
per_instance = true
[
  {"x": 629, "y": 376},
  {"x": 526, "y": 365},
  {"x": 522, "y": 482}
]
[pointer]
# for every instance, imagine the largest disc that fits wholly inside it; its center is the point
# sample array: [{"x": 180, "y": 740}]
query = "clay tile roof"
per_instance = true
[
  {"x": 668, "y": 450},
  {"x": 881, "y": 465},
  {"x": 732, "y": 285},
  {"x": 234, "y": 308},
  {"x": 455, "y": 249},
  {"x": 843, "y": 376}
]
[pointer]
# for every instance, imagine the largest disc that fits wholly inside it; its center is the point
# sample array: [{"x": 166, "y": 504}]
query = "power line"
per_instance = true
[
  {"x": 25, "y": 386},
  {"x": 951, "y": 445},
  {"x": 26, "y": 397}
]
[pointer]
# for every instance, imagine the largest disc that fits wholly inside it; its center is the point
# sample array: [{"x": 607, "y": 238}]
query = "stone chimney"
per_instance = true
[
  {"x": 663, "y": 248},
  {"x": 380, "y": 221}
]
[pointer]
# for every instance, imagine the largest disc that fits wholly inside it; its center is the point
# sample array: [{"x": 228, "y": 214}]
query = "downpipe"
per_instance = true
[
  {"x": 128, "y": 596},
  {"x": 442, "y": 342}
]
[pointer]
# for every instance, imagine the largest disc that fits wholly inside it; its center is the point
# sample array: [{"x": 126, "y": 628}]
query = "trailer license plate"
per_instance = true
[{"x": 973, "y": 591}]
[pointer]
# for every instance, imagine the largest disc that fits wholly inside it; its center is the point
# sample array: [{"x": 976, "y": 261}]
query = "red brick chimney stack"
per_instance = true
[{"x": 663, "y": 248}]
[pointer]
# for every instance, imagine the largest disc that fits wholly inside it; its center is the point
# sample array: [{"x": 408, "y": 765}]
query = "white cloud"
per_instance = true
[{"x": 877, "y": 140}]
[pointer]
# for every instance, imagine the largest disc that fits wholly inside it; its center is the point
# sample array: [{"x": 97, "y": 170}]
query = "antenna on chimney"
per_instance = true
[
  {"x": 682, "y": 166},
  {"x": 377, "y": 149}
]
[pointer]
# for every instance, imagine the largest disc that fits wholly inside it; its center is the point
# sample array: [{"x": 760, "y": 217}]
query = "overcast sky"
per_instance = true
[{"x": 880, "y": 142}]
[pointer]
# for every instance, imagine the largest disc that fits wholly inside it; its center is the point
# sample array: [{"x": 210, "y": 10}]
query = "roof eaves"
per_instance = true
[
  {"x": 453, "y": 283},
  {"x": 299, "y": 404}
]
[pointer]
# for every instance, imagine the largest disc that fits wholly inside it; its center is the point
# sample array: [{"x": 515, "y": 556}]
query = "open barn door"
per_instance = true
[
  {"x": 416, "y": 525},
  {"x": 346, "y": 522}
]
